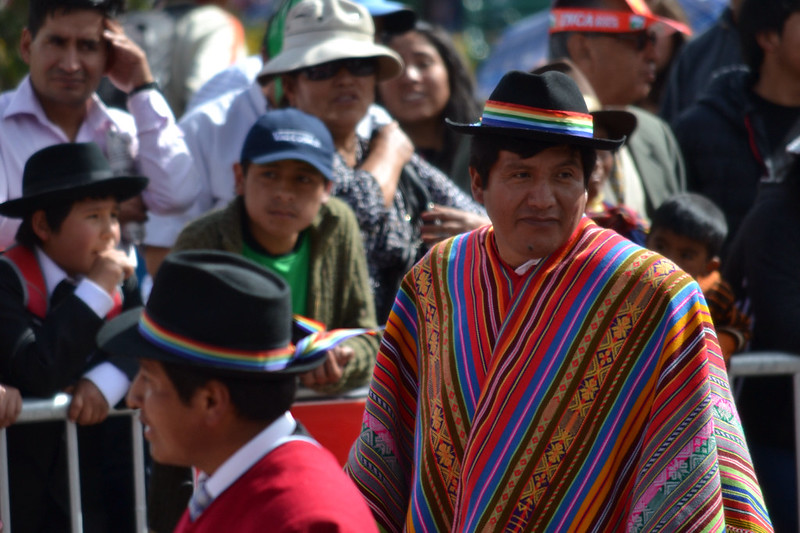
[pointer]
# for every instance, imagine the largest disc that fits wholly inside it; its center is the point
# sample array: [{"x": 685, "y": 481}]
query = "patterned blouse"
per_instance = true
[{"x": 392, "y": 234}]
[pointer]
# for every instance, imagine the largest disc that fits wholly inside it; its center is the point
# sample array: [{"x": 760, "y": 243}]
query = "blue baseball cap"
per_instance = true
[{"x": 283, "y": 134}]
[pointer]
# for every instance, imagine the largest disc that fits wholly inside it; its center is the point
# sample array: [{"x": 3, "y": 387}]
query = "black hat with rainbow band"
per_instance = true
[{"x": 546, "y": 107}]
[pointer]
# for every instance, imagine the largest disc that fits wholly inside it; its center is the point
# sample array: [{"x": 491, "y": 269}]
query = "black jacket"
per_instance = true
[
  {"x": 724, "y": 144},
  {"x": 41, "y": 357}
]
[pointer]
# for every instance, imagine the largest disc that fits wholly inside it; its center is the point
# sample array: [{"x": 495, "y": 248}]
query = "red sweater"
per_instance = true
[{"x": 297, "y": 487}]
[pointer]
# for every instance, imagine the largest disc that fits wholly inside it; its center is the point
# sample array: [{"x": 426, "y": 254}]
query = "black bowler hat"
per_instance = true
[
  {"x": 546, "y": 107},
  {"x": 64, "y": 173},
  {"x": 215, "y": 310}
]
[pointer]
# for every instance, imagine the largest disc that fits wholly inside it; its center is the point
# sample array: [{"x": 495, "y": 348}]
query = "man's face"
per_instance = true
[
  {"x": 67, "y": 58},
  {"x": 621, "y": 67},
  {"x": 535, "y": 204},
  {"x": 170, "y": 426},
  {"x": 787, "y": 46},
  {"x": 91, "y": 227},
  {"x": 339, "y": 102},
  {"x": 281, "y": 199},
  {"x": 689, "y": 254}
]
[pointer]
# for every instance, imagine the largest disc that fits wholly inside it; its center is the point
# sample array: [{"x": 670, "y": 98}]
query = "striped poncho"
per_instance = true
[{"x": 586, "y": 395}]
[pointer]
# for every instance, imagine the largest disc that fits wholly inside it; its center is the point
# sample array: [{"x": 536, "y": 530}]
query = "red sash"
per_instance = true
[{"x": 33, "y": 285}]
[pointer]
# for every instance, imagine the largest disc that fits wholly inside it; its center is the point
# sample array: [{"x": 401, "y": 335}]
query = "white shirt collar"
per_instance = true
[
  {"x": 52, "y": 273},
  {"x": 245, "y": 457},
  {"x": 527, "y": 265}
]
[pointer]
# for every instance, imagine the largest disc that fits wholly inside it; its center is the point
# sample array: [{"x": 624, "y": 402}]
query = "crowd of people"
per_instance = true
[{"x": 541, "y": 291}]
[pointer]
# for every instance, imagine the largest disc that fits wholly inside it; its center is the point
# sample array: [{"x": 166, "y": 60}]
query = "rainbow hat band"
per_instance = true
[
  {"x": 317, "y": 342},
  {"x": 546, "y": 107},
  {"x": 503, "y": 114}
]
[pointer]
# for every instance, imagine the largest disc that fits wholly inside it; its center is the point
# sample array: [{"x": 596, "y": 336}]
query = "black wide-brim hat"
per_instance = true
[
  {"x": 64, "y": 173},
  {"x": 546, "y": 107},
  {"x": 213, "y": 310}
]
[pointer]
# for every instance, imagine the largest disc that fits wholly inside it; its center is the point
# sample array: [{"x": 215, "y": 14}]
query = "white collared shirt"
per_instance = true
[
  {"x": 278, "y": 432},
  {"x": 110, "y": 380}
]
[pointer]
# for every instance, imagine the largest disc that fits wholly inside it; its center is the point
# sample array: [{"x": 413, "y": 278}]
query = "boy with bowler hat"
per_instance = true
[
  {"x": 285, "y": 219},
  {"x": 64, "y": 277},
  {"x": 544, "y": 373},
  {"x": 214, "y": 387}
]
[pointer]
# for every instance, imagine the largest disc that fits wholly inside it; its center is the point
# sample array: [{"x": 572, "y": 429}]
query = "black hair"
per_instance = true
[
  {"x": 39, "y": 10},
  {"x": 55, "y": 216},
  {"x": 255, "y": 399},
  {"x": 462, "y": 106},
  {"x": 695, "y": 217},
  {"x": 485, "y": 149},
  {"x": 759, "y": 16}
]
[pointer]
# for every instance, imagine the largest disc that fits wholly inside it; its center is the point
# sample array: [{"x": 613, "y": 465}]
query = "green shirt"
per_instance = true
[{"x": 292, "y": 267}]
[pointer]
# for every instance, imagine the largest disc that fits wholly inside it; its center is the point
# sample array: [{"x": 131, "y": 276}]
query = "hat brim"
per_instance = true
[
  {"x": 296, "y": 155},
  {"x": 120, "y": 187},
  {"x": 121, "y": 336},
  {"x": 389, "y": 63},
  {"x": 616, "y": 122},
  {"x": 555, "y": 138}
]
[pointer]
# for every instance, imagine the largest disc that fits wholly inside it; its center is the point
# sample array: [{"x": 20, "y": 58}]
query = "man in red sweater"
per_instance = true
[{"x": 217, "y": 377}]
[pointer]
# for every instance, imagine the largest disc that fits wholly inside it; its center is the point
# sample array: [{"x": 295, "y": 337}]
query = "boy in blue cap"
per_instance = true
[{"x": 284, "y": 218}]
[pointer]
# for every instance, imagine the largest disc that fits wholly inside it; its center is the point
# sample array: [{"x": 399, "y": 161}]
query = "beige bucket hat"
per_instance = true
[{"x": 318, "y": 31}]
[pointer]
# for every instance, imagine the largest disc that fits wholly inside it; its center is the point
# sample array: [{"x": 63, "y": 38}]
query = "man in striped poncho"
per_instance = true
[{"x": 545, "y": 374}]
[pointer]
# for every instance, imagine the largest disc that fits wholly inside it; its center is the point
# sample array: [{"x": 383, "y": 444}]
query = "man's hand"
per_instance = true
[
  {"x": 10, "y": 405},
  {"x": 88, "y": 406},
  {"x": 442, "y": 222},
  {"x": 331, "y": 370},
  {"x": 127, "y": 66},
  {"x": 132, "y": 210}
]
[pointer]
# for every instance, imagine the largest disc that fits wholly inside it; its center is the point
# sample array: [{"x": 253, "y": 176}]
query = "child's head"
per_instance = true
[
  {"x": 689, "y": 229},
  {"x": 69, "y": 204},
  {"x": 284, "y": 176}
]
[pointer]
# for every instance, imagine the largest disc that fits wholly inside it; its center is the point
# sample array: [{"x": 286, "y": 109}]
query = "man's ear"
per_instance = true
[
  {"x": 215, "y": 400},
  {"x": 580, "y": 50},
  {"x": 326, "y": 195},
  {"x": 768, "y": 40},
  {"x": 238, "y": 178},
  {"x": 25, "y": 41},
  {"x": 40, "y": 226},
  {"x": 476, "y": 184}
]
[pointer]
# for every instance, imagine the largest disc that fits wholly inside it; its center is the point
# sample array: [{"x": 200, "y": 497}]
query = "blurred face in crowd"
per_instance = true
[
  {"x": 172, "y": 427},
  {"x": 535, "y": 204},
  {"x": 339, "y": 93},
  {"x": 90, "y": 228},
  {"x": 422, "y": 91},
  {"x": 281, "y": 199},
  {"x": 689, "y": 254},
  {"x": 67, "y": 57},
  {"x": 621, "y": 67}
]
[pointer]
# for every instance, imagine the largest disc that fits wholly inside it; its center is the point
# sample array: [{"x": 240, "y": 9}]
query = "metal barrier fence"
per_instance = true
[
  {"x": 55, "y": 409},
  {"x": 773, "y": 364}
]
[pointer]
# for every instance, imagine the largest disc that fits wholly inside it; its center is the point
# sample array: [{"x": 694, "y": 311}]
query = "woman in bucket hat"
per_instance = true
[
  {"x": 543, "y": 373},
  {"x": 329, "y": 66}
]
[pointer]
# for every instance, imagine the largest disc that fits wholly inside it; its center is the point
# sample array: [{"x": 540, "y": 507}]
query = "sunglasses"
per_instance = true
[
  {"x": 355, "y": 66},
  {"x": 640, "y": 39}
]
